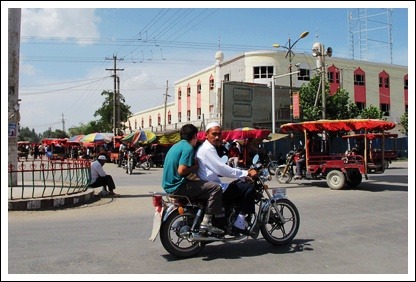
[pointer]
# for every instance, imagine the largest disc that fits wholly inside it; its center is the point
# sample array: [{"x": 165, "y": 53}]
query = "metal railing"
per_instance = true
[{"x": 39, "y": 179}]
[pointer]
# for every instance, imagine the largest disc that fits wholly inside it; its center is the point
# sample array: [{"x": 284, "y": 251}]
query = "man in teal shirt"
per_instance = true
[{"x": 179, "y": 179}]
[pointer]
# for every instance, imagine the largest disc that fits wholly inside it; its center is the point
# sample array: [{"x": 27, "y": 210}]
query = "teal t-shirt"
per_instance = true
[{"x": 182, "y": 153}]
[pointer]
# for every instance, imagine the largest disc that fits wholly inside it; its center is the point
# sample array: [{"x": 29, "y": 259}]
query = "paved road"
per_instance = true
[{"x": 351, "y": 231}]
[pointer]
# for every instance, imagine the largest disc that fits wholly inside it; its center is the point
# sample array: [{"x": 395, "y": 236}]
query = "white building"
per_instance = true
[{"x": 202, "y": 97}]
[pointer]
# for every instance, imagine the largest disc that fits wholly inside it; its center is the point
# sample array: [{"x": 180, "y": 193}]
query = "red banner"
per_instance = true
[{"x": 296, "y": 107}]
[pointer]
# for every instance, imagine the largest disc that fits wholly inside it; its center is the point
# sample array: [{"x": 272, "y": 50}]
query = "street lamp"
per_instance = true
[
  {"x": 318, "y": 51},
  {"x": 290, "y": 53},
  {"x": 273, "y": 97}
]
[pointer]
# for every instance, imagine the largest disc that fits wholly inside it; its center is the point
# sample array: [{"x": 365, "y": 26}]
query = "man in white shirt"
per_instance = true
[
  {"x": 100, "y": 178},
  {"x": 211, "y": 166}
]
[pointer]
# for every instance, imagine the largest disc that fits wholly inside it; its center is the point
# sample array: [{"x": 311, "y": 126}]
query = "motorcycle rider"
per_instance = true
[
  {"x": 140, "y": 153},
  {"x": 300, "y": 162},
  {"x": 211, "y": 166},
  {"x": 179, "y": 165}
]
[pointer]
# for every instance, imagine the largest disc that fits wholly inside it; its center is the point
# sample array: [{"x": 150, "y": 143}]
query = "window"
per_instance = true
[
  {"x": 150, "y": 121},
  {"x": 385, "y": 108},
  {"x": 227, "y": 77},
  {"x": 169, "y": 118},
  {"x": 198, "y": 89},
  {"x": 211, "y": 83},
  {"x": 159, "y": 120},
  {"x": 359, "y": 79},
  {"x": 188, "y": 115},
  {"x": 360, "y": 105},
  {"x": 179, "y": 94},
  {"x": 405, "y": 83},
  {"x": 188, "y": 91},
  {"x": 330, "y": 77},
  {"x": 304, "y": 74},
  {"x": 380, "y": 82},
  {"x": 263, "y": 72},
  {"x": 179, "y": 117},
  {"x": 386, "y": 82},
  {"x": 198, "y": 112}
]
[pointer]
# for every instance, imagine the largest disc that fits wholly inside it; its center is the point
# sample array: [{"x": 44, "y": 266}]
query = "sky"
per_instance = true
[{"x": 67, "y": 54}]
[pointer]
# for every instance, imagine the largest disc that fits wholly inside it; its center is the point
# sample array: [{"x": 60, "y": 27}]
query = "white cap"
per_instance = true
[
  {"x": 102, "y": 158},
  {"x": 212, "y": 124}
]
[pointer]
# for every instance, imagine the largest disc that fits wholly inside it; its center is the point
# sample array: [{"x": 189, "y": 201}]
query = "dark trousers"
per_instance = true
[
  {"x": 105, "y": 181},
  {"x": 204, "y": 190},
  {"x": 242, "y": 194}
]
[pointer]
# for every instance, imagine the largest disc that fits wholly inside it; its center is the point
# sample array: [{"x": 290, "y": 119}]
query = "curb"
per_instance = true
[{"x": 52, "y": 202}]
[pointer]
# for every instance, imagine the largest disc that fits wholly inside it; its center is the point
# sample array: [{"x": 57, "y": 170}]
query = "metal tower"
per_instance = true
[{"x": 370, "y": 31}]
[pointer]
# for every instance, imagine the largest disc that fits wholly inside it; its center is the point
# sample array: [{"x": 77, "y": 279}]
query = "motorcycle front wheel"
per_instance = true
[
  {"x": 283, "y": 178},
  {"x": 174, "y": 232},
  {"x": 130, "y": 167},
  {"x": 278, "y": 232}
]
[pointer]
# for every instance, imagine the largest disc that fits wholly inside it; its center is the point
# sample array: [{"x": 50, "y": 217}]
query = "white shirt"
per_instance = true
[
  {"x": 211, "y": 166},
  {"x": 96, "y": 170}
]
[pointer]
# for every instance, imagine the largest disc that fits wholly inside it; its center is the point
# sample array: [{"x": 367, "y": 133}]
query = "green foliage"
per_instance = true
[
  {"x": 338, "y": 106},
  {"x": 371, "y": 112},
  {"x": 403, "y": 123},
  {"x": 54, "y": 134},
  {"x": 25, "y": 134}
]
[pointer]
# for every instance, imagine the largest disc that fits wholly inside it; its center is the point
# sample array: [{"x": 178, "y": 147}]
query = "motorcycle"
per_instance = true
[
  {"x": 273, "y": 165},
  {"x": 177, "y": 219},
  {"x": 128, "y": 162},
  {"x": 286, "y": 172},
  {"x": 145, "y": 162}
]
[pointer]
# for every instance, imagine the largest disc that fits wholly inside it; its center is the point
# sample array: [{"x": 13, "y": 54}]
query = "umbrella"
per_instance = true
[
  {"x": 275, "y": 136},
  {"x": 97, "y": 137},
  {"x": 137, "y": 136},
  {"x": 168, "y": 137},
  {"x": 76, "y": 138}
]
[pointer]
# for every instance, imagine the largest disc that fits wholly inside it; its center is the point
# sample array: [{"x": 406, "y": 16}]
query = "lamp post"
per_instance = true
[
  {"x": 290, "y": 53},
  {"x": 318, "y": 51},
  {"x": 273, "y": 98}
]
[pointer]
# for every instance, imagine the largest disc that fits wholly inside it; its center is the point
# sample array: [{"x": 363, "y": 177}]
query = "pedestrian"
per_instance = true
[{"x": 100, "y": 178}]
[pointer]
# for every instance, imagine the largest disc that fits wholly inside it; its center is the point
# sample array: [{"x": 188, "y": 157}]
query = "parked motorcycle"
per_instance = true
[
  {"x": 177, "y": 219},
  {"x": 272, "y": 164}
]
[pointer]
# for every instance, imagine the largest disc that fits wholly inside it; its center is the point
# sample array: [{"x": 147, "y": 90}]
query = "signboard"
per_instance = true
[{"x": 296, "y": 105}]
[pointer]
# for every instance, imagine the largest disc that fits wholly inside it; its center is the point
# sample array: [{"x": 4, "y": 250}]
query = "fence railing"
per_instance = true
[{"x": 39, "y": 179}]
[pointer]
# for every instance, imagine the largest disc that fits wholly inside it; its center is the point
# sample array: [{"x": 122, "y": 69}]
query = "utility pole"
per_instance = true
[
  {"x": 13, "y": 94},
  {"x": 166, "y": 103},
  {"x": 63, "y": 123},
  {"x": 115, "y": 96}
]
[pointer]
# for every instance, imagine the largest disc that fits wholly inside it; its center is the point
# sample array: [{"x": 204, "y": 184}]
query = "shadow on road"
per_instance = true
[{"x": 249, "y": 248}]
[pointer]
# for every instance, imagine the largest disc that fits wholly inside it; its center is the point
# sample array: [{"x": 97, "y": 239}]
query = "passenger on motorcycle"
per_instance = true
[
  {"x": 211, "y": 166},
  {"x": 180, "y": 163}
]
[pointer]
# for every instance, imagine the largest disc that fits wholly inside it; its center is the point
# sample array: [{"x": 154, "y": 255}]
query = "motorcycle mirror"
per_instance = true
[
  {"x": 256, "y": 159},
  {"x": 300, "y": 142},
  {"x": 224, "y": 159}
]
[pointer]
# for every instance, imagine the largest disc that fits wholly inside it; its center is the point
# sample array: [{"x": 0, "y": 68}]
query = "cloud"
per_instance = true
[{"x": 62, "y": 23}]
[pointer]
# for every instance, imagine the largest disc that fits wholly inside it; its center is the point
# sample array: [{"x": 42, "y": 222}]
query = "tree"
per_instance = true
[
  {"x": 403, "y": 123},
  {"x": 372, "y": 113},
  {"x": 338, "y": 106},
  {"x": 104, "y": 124},
  {"x": 25, "y": 134}
]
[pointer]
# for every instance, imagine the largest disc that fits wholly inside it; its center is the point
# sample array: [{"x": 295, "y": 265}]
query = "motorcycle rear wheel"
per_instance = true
[
  {"x": 272, "y": 167},
  {"x": 173, "y": 241},
  {"x": 280, "y": 233},
  {"x": 145, "y": 165}
]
